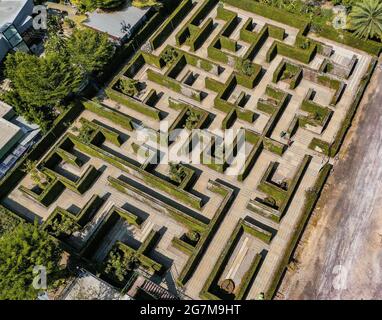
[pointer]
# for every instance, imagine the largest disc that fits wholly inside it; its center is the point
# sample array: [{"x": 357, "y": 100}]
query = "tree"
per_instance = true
[
  {"x": 145, "y": 3},
  {"x": 90, "y": 5},
  {"x": 63, "y": 226},
  {"x": 120, "y": 263},
  {"x": 21, "y": 250},
  {"x": 129, "y": 87},
  {"x": 177, "y": 172},
  {"x": 42, "y": 81},
  {"x": 89, "y": 50},
  {"x": 41, "y": 116},
  {"x": 366, "y": 19},
  {"x": 38, "y": 177}
]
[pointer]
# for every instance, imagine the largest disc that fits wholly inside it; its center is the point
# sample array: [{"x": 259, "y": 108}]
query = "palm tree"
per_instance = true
[{"x": 366, "y": 19}]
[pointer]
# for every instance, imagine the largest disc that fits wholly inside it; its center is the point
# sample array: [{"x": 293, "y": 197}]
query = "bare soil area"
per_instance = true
[{"x": 340, "y": 254}]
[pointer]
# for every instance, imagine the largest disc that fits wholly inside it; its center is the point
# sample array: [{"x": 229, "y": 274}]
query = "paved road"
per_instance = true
[{"x": 341, "y": 255}]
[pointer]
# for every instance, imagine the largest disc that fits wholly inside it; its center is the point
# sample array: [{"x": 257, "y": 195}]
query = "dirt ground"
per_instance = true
[{"x": 340, "y": 254}]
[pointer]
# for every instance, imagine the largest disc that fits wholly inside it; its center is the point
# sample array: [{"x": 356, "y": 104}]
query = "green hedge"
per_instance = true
[
  {"x": 214, "y": 85},
  {"x": 110, "y": 135},
  {"x": 199, "y": 38},
  {"x": 346, "y": 123},
  {"x": 274, "y": 146},
  {"x": 323, "y": 145},
  {"x": 82, "y": 184},
  {"x": 150, "y": 242},
  {"x": 229, "y": 119},
  {"x": 251, "y": 158},
  {"x": 14, "y": 176},
  {"x": 133, "y": 104},
  {"x": 311, "y": 199},
  {"x": 8, "y": 220},
  {"x": 276, "y": 32},
  {"x": 149, "y": 178},
  {"x": 173, "y": 84},
  {"x": 194, "y": 21},
  {"x": 211, "y": 290},
  {"x": 171, "y": 23},
  {"x": 49, "y": 194},
  {"x": 183, "y": 218},
  {"x": 347, "y": 38},
  {"x": 301, "y": 23},
  {"x": 182, "y": 246},
  {"x": 69, "y": 157},
  {"x": 206, "y": 237},
  {"x": 228, "y": 44},
  {"x": 113, "y": 115},
  {"x": 268, "y": 12}
]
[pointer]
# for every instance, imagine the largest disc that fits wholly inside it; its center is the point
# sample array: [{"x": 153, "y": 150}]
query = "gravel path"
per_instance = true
[{"x": 341, "y": 251}]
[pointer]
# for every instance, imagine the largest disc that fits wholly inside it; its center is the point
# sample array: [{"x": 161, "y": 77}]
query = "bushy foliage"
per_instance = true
[
  {"x": 366, "y": 19},
  {"x": 120, "y": 263},
  {"x": 129, "y": 87},
  {"x": 22, "y": 249},
  {"x": 177, "y": 172},
  {"x": 169, "y": 55},
  {"x": 192, "y": 120}
]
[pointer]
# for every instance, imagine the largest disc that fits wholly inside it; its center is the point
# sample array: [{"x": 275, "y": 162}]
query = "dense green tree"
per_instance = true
[
  {"x": 366, "y": 19},
  {"x": 22, "y": 249},
  {"x": 42, "y": 116},
  {"x": 42, "y": 81},
  {"x": 90, "y": 5},
  {"x": 90, "y": 50}
]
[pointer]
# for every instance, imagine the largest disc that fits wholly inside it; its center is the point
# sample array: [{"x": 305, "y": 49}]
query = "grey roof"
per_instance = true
[
  {"x": 10, "y": 9},
  {"x": 6, "y": 111},
  {"x": 112, "y": 22}
]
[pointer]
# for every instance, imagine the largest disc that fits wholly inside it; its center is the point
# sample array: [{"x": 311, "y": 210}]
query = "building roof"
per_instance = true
[
  {"x": 89, "y": 287},
  {"x": 6, "y": 111},
  {"x": 10, "y": 135},
  {"x": 10, "y": 9},
  {"x": 113, "y": 23}
]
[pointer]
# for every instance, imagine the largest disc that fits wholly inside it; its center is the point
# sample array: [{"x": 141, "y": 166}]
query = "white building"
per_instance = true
[
  {"x": 15, "y": 20},
  {"x": 16, "y": 137}
]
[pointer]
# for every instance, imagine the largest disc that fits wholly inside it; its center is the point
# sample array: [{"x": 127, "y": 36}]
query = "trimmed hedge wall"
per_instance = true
[
  {"x": 133, "y": 103},
  {"x": 311, "y": 199},
  {"x": 13, "y": 177},
  {"x": 301, "y": 23},
  {"x": 171, "y": 23},
  {"x": 174, "y": 85},
  {"x": 211, "y": 290},
  {"x": 202, "y": 245},
  {"x": 188, "y": 29},
  {"x": 149, "y": 178},
  {"x": 199, "y": 38},
  {"x": 346, "y": 123},
  {"x": 49, "y": 194},
  {"x": 183, "y": 218},
  {"x": 113, "y": 115}
]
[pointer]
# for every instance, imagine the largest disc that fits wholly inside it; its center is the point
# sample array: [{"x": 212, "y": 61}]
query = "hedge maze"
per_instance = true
[{"x": 219, "y": 226}]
